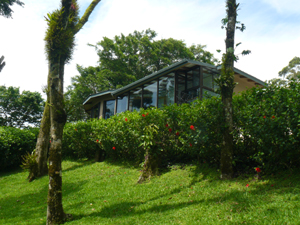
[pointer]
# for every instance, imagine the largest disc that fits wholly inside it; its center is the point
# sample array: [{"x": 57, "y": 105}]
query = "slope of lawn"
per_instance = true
[{"x": 107, "y": 193}]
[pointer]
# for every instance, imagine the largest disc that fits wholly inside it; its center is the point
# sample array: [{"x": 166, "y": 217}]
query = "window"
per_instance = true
[
  {"x": 188, "y": 85},
  {"x": 95, "y": 111},
  {"x": 122, "y": 103},
  {"x": 208, "y": 94},
  {"x": 150, "y": 95},
  {"x": 109, "y": 109},
  {"x": 166, "y": 91},
  {"x": 135, "y": 98}
]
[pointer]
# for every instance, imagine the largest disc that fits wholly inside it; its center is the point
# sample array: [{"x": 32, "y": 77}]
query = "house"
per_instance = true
[{"x": 181, "y": 82}]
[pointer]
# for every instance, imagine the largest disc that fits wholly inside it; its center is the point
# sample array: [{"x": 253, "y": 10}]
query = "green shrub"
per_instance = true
[
  {"x": 267, "y": 127},
  {"x": 78, "y": 141},
  {"x": 14, "y": 143}
]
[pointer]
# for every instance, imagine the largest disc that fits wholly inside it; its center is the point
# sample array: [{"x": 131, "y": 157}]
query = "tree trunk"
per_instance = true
[
  {"x": 60, "y": 43},
  {"x": 42, "y": 145},
  {"x": 150, "y": 167},
  {"x": 227, "y": 91},
  {"x": 55, "y": 212}
]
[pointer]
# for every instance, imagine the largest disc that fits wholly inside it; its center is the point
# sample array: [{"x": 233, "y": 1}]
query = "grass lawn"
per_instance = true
[{"x": 107, "y": 193}]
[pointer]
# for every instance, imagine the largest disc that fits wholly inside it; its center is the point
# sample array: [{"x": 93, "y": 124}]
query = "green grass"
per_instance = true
[{"x": 106, "y": 193}]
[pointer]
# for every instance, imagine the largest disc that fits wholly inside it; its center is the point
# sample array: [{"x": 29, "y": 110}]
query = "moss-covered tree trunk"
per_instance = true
[
  {"x": 227, "y": 86},
  {"x": 63, "y": 25},
  {"x": 42, "y": 144},
  {"x": 55, "y": 212},
  {"x": 150, "y": 168}
]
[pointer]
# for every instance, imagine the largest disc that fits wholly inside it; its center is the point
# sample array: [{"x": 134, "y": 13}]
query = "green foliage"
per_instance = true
[
  {"x": 127, "y": 58},
  {"x": 14, "y": 143},
  {"x": 226, "y": 80},
  {"x": 292, "y": 70},
  {"x": 267, "y": 125},
  {"x": 60, "y": 36},
  {"x": 20, "y": 110},
  {"x": 5, "y": 7},
  {"x": 90, "y": 81},
  {"x": 29, "y": 162},
  {"x": 78, "y": 142},
  {"x": 266, "y": 131}
]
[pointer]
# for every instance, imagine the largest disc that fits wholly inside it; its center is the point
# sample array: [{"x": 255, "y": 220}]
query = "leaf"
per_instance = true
[{"x": 246, "y": 52}]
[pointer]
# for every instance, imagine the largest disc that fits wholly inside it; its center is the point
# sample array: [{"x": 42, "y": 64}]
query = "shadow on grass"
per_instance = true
[
  {"x": 10, "y": 171},
  {"x": 239, "y": 201},
  {"x": 80, "y": 164},
  {"x": 32, "y": 206}
]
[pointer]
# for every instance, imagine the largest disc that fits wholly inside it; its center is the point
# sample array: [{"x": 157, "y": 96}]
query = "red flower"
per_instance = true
[
  {"x": 177, "y": 133},
  {"x": 167, "y": 125},
  {"x": 170, "y": 130},
  {"x": 272, "y": 185},
  {"x": 147, "y": 114},
  {"x": 114, "y": 148},
  {"x": 273, "y": 117},
  {"x": 247, "y": 185},
  {"x": 265, "y": 117},
  {"x": 75, "y": 129},
  {"x": 97, "y": 141},
  {"x": 143, "y": 115},
  {"x": 50, "y": 141},
  {"x": 192, "y": 127},
  {"x": 257, "y": 169},
  {"x": 191, "y": 145},
  {"x": 126, "y": 119}
]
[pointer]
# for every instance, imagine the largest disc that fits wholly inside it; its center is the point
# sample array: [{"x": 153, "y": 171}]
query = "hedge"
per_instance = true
[{"x": 14, "y": 143}]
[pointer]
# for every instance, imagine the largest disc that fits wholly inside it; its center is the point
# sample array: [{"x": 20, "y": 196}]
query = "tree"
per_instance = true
[
  {"x": 63, "y": 25},
  {"x": 292, "y": 70},
  {"x": 125, "y": 59},
  {"x": 5, "y": 7},
  {"x": 90, "y": 81},
  {"x": 20, "y": 110},
  {"x": 226, "y": 83}
]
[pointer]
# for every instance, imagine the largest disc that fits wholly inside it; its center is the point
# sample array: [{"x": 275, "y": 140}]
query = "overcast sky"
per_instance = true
[{"x": 272, "y": 33}]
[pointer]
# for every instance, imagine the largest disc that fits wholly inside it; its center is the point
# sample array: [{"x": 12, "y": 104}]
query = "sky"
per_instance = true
[{"x": 272, "y": 34}]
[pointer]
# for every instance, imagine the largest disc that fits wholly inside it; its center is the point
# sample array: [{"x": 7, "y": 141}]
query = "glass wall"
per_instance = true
[
  {"x": 150, "y": 95},
  {"x": 135, "y": 99},
  {"x": 109, "y": 109},
  {"x": 166, "y": 90},
  {"x": 122, "y": 104},
  {"x": 95, "y": 111},
  {"x": 208, "y": 94}
]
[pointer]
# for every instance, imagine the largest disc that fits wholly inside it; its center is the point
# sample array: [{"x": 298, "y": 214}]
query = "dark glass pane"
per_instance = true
[
  {"x": 180, "y": 87},
  {"x": 109, "y": 108},
  {"x": 96, "y": 111},
  {"x": 122, "y": 103},
  {"x": 193, "y": 79},
  {"x": 208, "y": 94},
  {"x": 166, "y": 90},
  {"x": 135, "y": 100},
  {"x": 208, "y": 80},
  {"x": 150, "y": 95}
]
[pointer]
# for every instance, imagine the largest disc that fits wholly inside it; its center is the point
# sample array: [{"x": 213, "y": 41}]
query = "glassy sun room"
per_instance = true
[{"x": 179, "y": 83}]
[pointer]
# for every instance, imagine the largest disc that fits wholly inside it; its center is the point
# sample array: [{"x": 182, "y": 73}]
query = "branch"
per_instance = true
[{"x": 86, "y": 15}]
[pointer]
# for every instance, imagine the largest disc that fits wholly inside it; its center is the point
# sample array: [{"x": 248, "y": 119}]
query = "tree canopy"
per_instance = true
[
  {"x": 20, "y": 109},
  {"x": 292, "y": 70},
  {"x": 125, "y": 59},
  {"x": 5, "y": 7}
]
